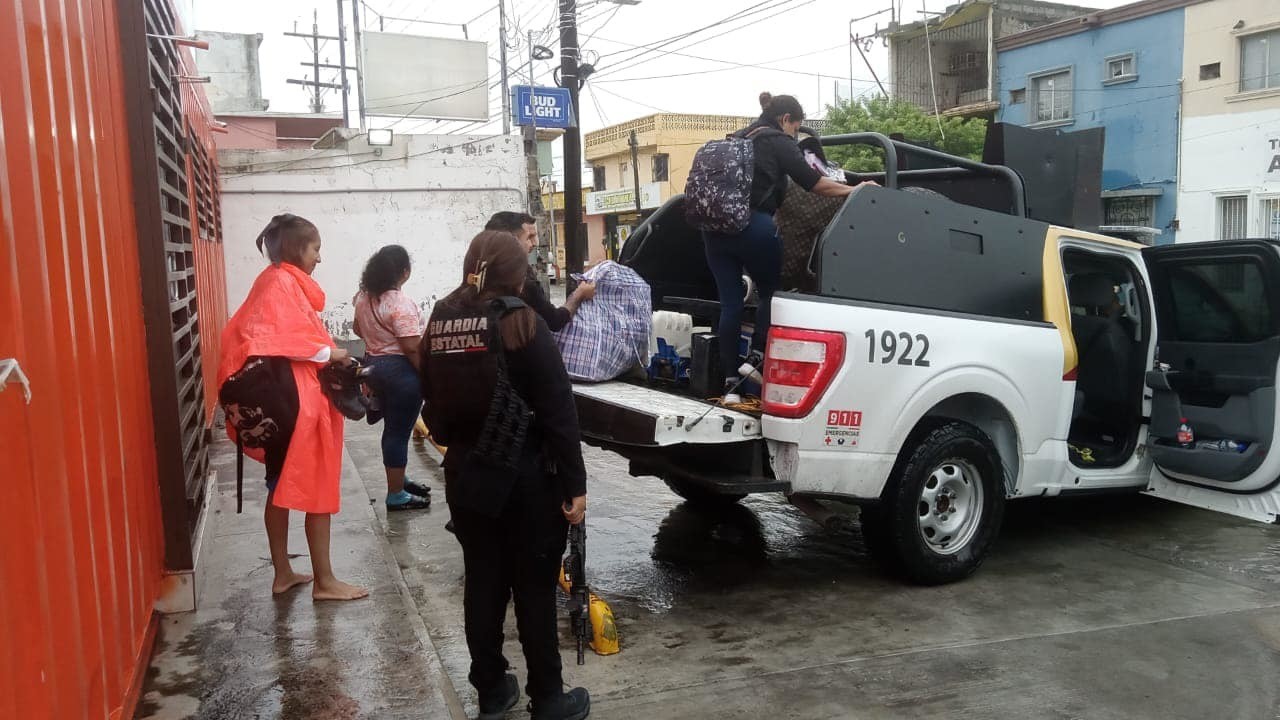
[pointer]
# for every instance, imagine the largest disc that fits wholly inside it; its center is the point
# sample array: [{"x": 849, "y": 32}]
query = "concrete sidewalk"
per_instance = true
[{"x": 247, "y": 654}]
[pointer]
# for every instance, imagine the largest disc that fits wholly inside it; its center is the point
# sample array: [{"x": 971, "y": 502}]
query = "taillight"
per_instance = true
[{"x": 798, "y": 367}]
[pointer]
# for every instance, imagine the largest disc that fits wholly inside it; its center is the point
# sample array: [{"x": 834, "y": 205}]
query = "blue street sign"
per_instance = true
[{"x": 546, "y": 107}]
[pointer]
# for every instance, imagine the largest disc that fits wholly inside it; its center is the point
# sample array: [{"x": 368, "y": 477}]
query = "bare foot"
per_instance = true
[
  {"x": 337, "y": 590},
  {"x": 283, "y": 583}
]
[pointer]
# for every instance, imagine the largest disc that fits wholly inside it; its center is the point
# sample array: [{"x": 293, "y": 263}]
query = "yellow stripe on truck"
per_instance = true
[{"x": 1057, "y": 309}]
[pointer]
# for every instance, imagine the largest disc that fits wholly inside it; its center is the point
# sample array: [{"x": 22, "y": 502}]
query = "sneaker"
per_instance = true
[
  {"x": 494, "y": 706},
  {"x": 414, "y": 488},
  {"x": 572, "y": 705},
  {"x": 751, "y": 368},
  {"x": 407, "y": 501},
  {"x": 731, "y": 395}
]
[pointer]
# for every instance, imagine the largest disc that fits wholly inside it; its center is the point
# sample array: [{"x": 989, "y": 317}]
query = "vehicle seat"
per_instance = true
[{"x": 1103, "y": 348}]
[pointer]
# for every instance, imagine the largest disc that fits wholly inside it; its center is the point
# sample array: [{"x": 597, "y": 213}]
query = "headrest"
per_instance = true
[{"x": 1093, "y": 290}]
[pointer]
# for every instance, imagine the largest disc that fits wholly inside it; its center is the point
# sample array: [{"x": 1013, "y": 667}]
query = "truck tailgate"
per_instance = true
[{"x": 618, "y": 412}]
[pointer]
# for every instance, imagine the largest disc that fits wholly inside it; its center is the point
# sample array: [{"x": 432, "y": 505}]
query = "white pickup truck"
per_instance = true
[{"x": 957, "y": 357}]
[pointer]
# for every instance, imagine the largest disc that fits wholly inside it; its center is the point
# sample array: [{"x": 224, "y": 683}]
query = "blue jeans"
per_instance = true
[
  {"x": 758, "y": 250},
  {"x": 396, "y": 383}
]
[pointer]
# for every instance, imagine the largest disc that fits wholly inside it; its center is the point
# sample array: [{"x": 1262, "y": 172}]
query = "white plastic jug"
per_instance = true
[{"x": 674, "y": 328}]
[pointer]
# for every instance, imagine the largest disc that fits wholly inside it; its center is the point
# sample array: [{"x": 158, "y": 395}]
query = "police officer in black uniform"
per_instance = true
[
  {"x": 510, "y": 510},
  {"x": 525, "y": 228}
]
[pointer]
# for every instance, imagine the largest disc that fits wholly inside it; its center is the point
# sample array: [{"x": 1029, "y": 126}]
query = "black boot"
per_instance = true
[
  {"x": 572, "y": 705},
  {"x": 494, "y": 705}
]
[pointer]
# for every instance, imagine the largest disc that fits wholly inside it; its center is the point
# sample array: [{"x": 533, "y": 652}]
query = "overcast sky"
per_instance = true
[{"x": 803, "y": 43}]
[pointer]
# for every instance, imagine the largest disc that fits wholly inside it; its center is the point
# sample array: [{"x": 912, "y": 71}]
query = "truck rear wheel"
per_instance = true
[
  {"x": 942, "y": 510},
  {"x": 701, "y": 497}
]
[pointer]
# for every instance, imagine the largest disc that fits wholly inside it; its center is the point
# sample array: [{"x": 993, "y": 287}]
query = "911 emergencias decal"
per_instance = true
[{"x": 844, "y": 427}]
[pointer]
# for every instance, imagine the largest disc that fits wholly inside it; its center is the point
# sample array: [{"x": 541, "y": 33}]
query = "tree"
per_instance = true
[{"x": 962, "y": 137}]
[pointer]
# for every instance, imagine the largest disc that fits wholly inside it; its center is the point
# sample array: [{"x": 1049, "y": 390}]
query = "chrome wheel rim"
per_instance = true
[{"x": 949, "y": 510}]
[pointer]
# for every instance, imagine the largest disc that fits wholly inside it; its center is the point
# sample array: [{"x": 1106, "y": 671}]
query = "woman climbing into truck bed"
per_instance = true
[{"x": 757, "y": 248}]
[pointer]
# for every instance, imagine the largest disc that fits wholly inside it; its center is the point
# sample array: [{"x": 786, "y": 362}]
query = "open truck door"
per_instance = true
[{"x": 1218, "y": 353}]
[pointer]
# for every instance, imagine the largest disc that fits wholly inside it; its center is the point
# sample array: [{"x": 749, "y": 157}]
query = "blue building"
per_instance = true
[{"x": 1117, "y": 69}]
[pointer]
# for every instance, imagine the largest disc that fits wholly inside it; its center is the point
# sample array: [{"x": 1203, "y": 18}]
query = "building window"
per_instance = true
[
  {"x": 1271, "y": 217},
  {"x": 1260, "y": 61},
  {"x": 661, "y": 171},
  {"x": 1233, "y": 217},
  {"x": 1121, "y": 68},
  {"x": 1017, "y": 96},
  {"x": 597, "y": 178},
  {"x": 622, "y": 175},
  {"x": 1212, "y": 71},
  {"x": 1051, "y": 94}
]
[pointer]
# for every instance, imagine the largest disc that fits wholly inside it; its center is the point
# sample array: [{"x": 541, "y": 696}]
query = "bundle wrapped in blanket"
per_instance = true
[
  {"x": 610, "y": 333},
  {"x": 801, "y": 219}
]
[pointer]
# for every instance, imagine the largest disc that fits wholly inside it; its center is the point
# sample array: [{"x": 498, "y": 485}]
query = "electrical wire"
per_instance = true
[
  {"x": 783, "y": 6},
  {"x": 676, "y": 38},
  {"x": 401, "y": 158},
  {"x": 635, "y": 102},
  {"x": 928, "y": 46},
  {"x": 732, "y": 66}
]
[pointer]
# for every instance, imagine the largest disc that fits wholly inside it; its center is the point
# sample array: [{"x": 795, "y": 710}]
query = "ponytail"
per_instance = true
[
  {"x": 285, "y": 238},
  {"x": 774, "y": 107}
]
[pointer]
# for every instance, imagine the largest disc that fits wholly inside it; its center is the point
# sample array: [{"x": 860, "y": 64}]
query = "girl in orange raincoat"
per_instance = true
[{"x": 280, "y": 319}]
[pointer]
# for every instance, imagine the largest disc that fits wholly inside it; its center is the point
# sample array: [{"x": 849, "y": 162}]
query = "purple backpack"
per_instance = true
[{"x": 717, "y": 197}]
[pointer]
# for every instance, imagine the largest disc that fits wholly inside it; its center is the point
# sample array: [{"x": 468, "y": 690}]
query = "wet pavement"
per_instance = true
[
  {"x": 1120, "y": 607},
  {"x": 247, "y": 654}
]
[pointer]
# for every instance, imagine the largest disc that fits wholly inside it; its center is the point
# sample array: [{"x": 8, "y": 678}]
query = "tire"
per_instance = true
[
  {"x": 700, "y": 497},
  {"x": 942, "y": 509}
]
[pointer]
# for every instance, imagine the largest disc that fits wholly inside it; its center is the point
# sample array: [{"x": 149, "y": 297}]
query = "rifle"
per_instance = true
[{"x": 575, "y": 570}]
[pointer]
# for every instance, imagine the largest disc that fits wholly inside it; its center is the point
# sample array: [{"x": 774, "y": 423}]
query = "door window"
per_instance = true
[{"x": 1220, "y": 301}]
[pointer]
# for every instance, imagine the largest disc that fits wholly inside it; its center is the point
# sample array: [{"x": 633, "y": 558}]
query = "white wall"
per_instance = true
[
  {"x": 1227, "y": 154},
  {"x": 429, "y": 193}
]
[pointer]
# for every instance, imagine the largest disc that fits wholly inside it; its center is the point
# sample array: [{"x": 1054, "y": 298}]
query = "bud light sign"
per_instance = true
[{"x": 546, "y": 107}]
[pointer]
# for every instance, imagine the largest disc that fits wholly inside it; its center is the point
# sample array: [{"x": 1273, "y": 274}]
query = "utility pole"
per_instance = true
[
  {"x": 342, "y": 60},
  {"x": 533, "y": 180},
  {"x": 317, "y": 87},
  {"x": 635, "y": 168},
  {"x": 317, "y": 102},
  {"x": 355, "y": 25},
  {"x": 502, "y": 58},
  {"x": 575, "y": 246},
  {"x": 852, "y": 40}
]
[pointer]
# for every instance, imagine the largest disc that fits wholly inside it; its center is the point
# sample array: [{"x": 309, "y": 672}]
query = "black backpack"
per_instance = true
[
  {"x": 717, "y": 196},
  {"x": 260, "y": 402}
]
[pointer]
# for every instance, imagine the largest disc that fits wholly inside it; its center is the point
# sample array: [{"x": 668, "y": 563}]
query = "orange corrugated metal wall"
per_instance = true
[{"x": 80, "y": 520}]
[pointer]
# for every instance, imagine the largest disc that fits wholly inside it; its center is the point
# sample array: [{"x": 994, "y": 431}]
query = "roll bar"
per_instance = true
[{"x": 893, "y": 147}]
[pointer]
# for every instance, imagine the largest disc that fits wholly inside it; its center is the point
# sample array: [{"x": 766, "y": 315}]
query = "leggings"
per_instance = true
[
  {"x": 757, "y": 250},
  {"x": 396, "y": 383}
]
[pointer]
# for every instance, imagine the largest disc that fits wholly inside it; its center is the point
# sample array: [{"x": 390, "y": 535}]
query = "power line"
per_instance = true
[
  {"x": 676, "y": 38},
  {"x": 634, "y": 102},
  {"x": 734, "y": 66},
  {"x": 376, "y": 159},
  {"x": 640, "y": 59}
]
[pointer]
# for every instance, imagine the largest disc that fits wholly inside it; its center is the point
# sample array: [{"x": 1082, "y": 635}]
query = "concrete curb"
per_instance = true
[{"x": 412, "y": 615}]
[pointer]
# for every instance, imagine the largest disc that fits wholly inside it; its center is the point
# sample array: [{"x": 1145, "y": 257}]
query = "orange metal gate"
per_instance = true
[{"x": 81, "y": 527}]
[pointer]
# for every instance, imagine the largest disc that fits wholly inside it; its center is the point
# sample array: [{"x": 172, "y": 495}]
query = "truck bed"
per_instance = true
[{"x": 645, "y": 416}]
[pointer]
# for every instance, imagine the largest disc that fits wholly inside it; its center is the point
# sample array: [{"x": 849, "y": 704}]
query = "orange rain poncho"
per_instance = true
[{"x": 280, "y": 318}]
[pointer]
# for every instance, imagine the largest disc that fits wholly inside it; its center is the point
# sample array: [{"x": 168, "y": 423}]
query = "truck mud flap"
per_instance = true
[{"x": 625, "y": 414}]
